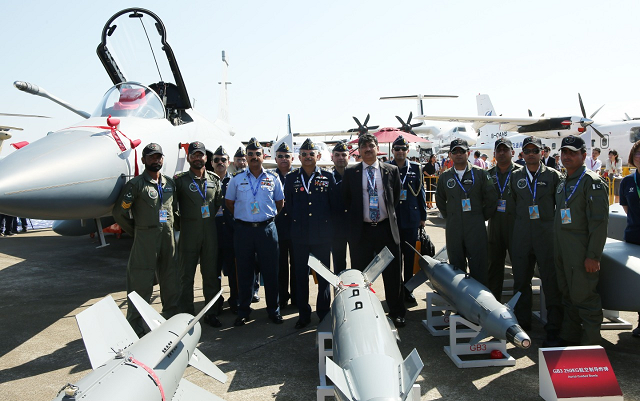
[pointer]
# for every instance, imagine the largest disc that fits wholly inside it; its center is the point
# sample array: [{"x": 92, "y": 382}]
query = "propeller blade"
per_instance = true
[
  {"x": 358, "y": 122},
  {"x": 414, "y": 125},
  {"x": 22, "y": 115},
  {"x": 410, "y": 115},
  {"x": 597, "y": 132},
  {"x": 401, "y": 122},
  {"x": 596, "y": 112},
  {"x": 366, "y": 120},
  {"x": 584, "y": 113},
  {"x": 373, "y": 127}
]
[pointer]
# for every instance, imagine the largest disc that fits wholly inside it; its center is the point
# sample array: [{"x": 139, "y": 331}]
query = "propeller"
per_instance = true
[
  {"x": 22, "y": 115},
  {"x": 362, "y": 128},
  {"x": 588, "y": 121},
  {"x": 408, "y": 127}
]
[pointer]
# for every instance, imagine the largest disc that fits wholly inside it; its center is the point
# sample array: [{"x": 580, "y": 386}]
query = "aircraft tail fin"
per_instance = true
[
  {"x": 487, "y": 133},
  {"x": 322, "y": 270},
  {"x": 104, "y": 331},
  {"x": 377, "y": 265},
  {"x": 188, "y": 391},
  {"x": 417, "y": 280},
  {"x": 411, "y": 368},
  {"x": 202, "y": 363},
  {"x": 150, "y": 316},
  {"x": 338, "y": 377},
  {"x": 288, "y": 138},
  {"x": 512, "y": 302}
]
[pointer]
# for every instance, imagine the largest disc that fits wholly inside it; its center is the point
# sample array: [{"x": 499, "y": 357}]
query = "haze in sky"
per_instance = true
[{"x": 323, "y": 62}]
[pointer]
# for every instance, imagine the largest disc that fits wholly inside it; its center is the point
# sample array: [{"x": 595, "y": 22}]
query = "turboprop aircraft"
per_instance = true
[
  {"x": 88, "y": 163},
  {"x": 4, "y": 129}
]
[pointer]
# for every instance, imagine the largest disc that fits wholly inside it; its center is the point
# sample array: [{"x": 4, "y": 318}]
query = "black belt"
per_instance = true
[
  {"x": 375, "y": 224},
  {"x": 257, "y": 224}
]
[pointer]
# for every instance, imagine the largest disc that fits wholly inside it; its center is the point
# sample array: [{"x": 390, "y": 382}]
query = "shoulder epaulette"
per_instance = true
[
  {"x": 237, "y": 172},
  {"x": 272, "y": 172},
  {"x": 179, "y": 175}
]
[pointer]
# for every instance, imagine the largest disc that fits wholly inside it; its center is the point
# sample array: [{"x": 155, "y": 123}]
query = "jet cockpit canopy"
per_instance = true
[{"x": 130, "y": 99}]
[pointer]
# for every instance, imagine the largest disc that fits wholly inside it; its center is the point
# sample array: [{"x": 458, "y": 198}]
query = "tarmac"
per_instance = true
[{"x": 46, "y": 279}]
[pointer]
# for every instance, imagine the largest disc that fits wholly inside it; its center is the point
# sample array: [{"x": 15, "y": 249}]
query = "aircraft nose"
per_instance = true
[{"x": 72, "y": 174}]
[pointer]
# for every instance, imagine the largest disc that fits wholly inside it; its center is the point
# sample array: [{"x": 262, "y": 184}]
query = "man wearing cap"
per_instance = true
[
  {"x": 286, "y": 269},
  {"x": 239, "y": 161},
  {"x": 580, "y": 223},
  {"x": 411, "y": 210},
  {"x": 547, "y": 160},
  {"x": 224, "y": 226},
  {"x": 501, "y": 224},
  {"x": 199, "y": 197},
  {"x": 466, "y": 198},
  {"x": 145, "y": 210},
  {"x": 371, "y": 191},
  {"x": 309, "y": 200},
  {"x": 255, "y": 196},
  {"x": 533, "y": 190},
  {"x": 340, "y": 159}
]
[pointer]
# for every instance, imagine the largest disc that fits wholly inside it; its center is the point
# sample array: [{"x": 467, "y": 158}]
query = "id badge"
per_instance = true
[
  {"x": 502, "y": 205},
  {"x": 373, "y": 202},
  {"x": 466, "y": 205},
  {"x": 403, "y": 194},
  {"x": 255, "y": 208},
  {"x": 219, "y": 213},
  {"x": 565, "y": 216},
  {"x": 205, "y": 211},
  {"x": 533, "y": 212},
  {"x": 163, "y": 216}
]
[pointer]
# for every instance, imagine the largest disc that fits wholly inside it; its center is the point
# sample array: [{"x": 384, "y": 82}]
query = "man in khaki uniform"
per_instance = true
[
  {"x": 199, "y": 198},
  {"x": 145, "y": 211},
  {"x": 580, "y": 224}
]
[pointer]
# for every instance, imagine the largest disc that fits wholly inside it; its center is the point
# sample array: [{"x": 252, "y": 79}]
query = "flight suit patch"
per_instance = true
[
  {"x": 522, "y": 183},
  {"x": 153, "y": 194},
  {"x": 193, "y": 187},
  {"x": 451, "y": 183}
]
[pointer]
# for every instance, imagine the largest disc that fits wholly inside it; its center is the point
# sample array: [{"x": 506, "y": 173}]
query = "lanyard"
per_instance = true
[
  {"x": 254, "y": 191},
  {"x": 535, "y": 184},
  {"x": 372, "y": 183},
  {"x": 204, "y": 196},
  {"x": 566, "y": 201},
  {"x": 473, "y": 181},
  {"x": 160, "y": 189},
  {"x": 593, "y": 163},
  {"x": 405, "y": 175},
  {"x": 501, "y": 189},
  {"x": 635, "y": 178},
  {"x": 308, "y": 186}
]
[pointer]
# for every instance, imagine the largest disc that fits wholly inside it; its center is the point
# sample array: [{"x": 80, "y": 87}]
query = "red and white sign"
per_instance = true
[{"x": 577, "y": 373}]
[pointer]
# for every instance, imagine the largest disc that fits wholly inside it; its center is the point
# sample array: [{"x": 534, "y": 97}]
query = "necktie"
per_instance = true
[{"x": 374, "y": 213}]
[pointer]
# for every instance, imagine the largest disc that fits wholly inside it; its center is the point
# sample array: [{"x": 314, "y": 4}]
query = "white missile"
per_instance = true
[
  {"x": 149, "y": 368},
  {"x": 367, "y": 364}
]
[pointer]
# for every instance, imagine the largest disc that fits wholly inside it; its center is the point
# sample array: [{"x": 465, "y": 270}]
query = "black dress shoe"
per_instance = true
[
  {"x": 255, "y": 298},
  {"x": 277, "y": 319},
  {"x": 284, "y": 304},
  {"x": 240, "y": 321},
  {"x": 212, "y": 320},
  {"x": 302, "y": 323},
  {"x": 410, "y": 299},
  {"x": 399, "y": 321}
]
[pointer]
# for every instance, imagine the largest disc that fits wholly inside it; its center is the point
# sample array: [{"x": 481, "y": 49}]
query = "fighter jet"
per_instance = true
[
  {"x": 78, "y": 172},
  {"x": 367, "y": 364},
  {"x": 150, "y": 368}
]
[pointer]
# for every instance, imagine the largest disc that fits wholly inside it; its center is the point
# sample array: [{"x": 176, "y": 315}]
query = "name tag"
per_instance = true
[
  {"x": 373, "y": 202},
  {"x": 533, "y": 212},
  {"x": 565, "y": 216},
  {"x": 403, "y": 194},
  {"x": 255, "y": 208},
  {"x": 502, "y": 205},
  {"x": 205, "y": 211},
  {"x": 466, "y": 205},
  {"x": 163, "y": 216},
  {"x": 219, "y": 213}
]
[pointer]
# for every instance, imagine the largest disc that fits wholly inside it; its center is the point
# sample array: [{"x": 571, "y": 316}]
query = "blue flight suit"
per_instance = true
[
  {"x": 286, "y": 266},
  {"x": 309, "y": 207},
  {"x": 410, "y": 211},
  {"x": 226, "y": 253},
  {"x": 255, "y": 234},
  {"x": 340, "y": 229}
]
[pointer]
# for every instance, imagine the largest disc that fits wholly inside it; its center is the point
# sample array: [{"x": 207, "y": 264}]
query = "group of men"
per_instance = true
[{"x": 539, "y": 216}]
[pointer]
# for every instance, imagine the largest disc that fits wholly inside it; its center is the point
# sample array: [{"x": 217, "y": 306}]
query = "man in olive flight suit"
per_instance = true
[
  {"x": 466, "y": 198},
  {"x": 533, "y": 188},
  {"x": 145, "y": 211},
  {"x": 199, "y": 198},
  {"x": 580, "y": 233}
]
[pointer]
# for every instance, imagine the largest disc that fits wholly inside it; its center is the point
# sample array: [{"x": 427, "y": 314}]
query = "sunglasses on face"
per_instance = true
[
  {"x": 458, "y": 151},
  {"x": 398, "y": 149},
  {"x": 219, "y": 159},
  {"x": 284, "y": 156},
  {"x": 304, "y": 154},
  {"x": 530, "y": 151},
  {"x": 254, "y": 153}
]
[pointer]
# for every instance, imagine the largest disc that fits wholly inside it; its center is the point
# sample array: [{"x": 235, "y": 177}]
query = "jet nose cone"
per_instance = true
[
  {"x": 518, "y": 337},
  {"x": 72, "y": 174}
]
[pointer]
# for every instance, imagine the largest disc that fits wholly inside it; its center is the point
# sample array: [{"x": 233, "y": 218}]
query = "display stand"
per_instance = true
[
  {"x": 438, "y": 313},
  {"x": 615, "y": 322}
]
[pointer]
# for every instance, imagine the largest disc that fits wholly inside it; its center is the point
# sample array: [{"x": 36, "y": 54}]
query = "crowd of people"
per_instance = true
[{"x": 258, "y": 224}]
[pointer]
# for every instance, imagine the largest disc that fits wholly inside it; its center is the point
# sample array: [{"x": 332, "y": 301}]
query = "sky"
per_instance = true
[{"x": 324, "y": 62}]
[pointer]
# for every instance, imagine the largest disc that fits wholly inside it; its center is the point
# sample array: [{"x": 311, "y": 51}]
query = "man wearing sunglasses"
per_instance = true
[
  {"x": 309, "y": 201},
  {"x": 533, "y": 190},
  {"x": 411, "y": 210},
  {"x": 371, "y": 192},
  {"x": 466, "y": 198},
  {"x": 199, "y": 196},
  {"x": 286, "y": 269},
  {"x": 255, "y": 196},
  {"x": 340, "y": 159}
]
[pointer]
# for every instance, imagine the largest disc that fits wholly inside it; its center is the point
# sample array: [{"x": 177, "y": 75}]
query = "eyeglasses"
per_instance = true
[
  {"x": 458, "y": 151},
  {"x": 219, "y": 159},
  {"x": 399, "y": 148},
  {"x": 304, "y": 154},
  {"x": 254, "y": 153},
  {"x": 284, "y": 156},
  {"x": 530, "y": 151}
]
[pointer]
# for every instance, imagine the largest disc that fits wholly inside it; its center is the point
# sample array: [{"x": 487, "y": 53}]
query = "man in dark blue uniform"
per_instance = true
[
  {"x": 340, "y": 158},
  {"x": 224, "y": 224},
  {"x": 286, "y": 271},
  {"x": 255, "y": 197},
  {"x": 309, "y": 197},
  {"x": 412, "y": 208}
]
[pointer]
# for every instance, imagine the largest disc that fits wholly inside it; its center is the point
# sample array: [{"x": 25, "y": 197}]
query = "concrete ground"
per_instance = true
[{"x": 46, "y": 279}]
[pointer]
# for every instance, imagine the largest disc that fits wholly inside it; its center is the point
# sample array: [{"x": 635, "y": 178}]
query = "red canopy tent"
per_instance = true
[{"x": 388, "y": 135}]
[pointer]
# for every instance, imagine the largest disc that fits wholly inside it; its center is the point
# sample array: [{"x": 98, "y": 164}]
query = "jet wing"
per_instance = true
[
  {"x": 104, "y": 331},
  {"x": 188, "y": 391},
  {"x": 508, "y": 123}
]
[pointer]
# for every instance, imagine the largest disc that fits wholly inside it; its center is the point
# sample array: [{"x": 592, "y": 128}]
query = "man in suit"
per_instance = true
[
  {"x": 371, "y": 191},
  {"x": 547, "y": 160}
]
